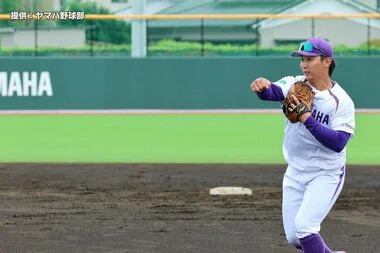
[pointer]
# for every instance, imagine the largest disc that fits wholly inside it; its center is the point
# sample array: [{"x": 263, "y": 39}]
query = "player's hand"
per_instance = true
[
  {"x": 294, "y": 104},
  {"x": 260, "y": 84}
]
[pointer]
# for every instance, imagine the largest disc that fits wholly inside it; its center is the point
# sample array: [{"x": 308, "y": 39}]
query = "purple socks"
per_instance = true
[{"x": 314, "y": 244}]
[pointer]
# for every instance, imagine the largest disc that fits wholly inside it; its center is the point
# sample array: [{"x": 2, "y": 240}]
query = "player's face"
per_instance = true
[{"x": 313, "y": 67}]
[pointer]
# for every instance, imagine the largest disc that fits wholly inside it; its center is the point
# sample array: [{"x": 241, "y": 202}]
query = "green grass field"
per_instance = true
[{"x": 163, "y": 139}]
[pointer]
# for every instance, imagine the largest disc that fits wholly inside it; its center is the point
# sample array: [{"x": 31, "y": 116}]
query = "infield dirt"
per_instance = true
[{"x": 166, "y": 208}]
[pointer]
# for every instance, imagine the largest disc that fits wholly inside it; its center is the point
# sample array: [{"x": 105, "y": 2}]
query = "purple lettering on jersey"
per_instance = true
[
  {"x": 319, "y": 116},
  {"x": 313, "y": 113},
  {"x": 326, "y": 119}
]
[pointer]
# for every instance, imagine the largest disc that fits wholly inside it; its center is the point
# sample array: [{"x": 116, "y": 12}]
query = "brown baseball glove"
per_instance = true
[{"x": 305, "y": 95}]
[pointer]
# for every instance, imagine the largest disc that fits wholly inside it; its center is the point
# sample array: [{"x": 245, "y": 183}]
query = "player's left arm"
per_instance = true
[
  {"x": 342, "y": 128},
  {"x": 335, "y": 140}
]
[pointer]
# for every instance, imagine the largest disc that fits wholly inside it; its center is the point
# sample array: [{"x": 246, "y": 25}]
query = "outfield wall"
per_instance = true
[{"x": 164, "y": 83}]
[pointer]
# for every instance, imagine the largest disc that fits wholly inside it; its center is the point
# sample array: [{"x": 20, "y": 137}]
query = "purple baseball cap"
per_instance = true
[{"x": 314, "y": 47}]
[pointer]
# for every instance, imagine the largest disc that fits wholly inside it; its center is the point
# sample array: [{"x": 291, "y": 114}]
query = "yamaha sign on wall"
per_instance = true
[{"x": 25, "y": 84}]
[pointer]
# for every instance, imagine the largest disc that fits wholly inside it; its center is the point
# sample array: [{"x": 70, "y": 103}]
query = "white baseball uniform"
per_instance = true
[{"x": 315, "y": 174}]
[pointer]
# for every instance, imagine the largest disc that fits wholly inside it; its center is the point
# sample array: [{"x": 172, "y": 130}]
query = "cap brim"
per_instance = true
[{"x": 304, "y": 53}]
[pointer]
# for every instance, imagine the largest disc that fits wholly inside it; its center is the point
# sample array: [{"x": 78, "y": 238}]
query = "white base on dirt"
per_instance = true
[{"x": 230, "y": 191}]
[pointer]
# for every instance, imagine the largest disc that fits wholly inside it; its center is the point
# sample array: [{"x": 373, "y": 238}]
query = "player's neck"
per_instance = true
[{"x": 322, "y": 83}]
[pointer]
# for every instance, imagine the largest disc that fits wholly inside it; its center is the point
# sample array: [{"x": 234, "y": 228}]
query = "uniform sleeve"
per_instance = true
[
  {"x": 273, "y": 93},
  {"x": 344, "y": 118},
  {"x": 335, "y": 140}
]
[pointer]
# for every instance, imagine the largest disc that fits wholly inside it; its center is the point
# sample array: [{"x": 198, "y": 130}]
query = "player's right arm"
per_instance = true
[{"x": 266, "y": 90}]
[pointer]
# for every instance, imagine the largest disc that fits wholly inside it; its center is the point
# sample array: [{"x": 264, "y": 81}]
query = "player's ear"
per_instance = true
[{"x": 326, "y": 60}]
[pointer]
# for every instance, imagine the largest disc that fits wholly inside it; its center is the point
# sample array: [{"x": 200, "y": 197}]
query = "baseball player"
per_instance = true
[{"x": 313, "y": 147}]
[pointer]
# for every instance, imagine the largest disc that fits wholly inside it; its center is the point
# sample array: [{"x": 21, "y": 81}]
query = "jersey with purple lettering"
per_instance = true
[{"x": 332, "y": 108}]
